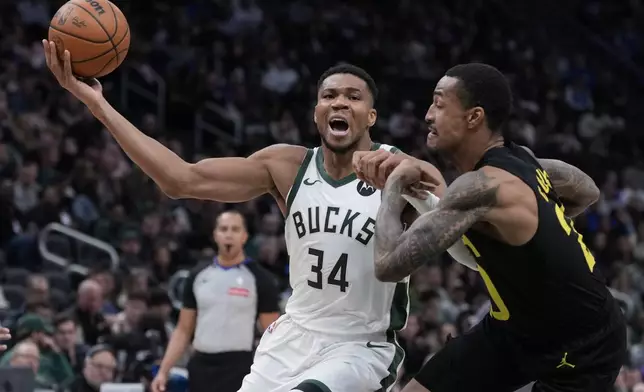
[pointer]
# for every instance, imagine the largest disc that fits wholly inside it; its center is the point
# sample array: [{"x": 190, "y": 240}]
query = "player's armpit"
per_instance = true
[
  {"x": 576, "y": 190},
  {"x": 467, "y": 200},
  {"x": 234, "y": 180}
]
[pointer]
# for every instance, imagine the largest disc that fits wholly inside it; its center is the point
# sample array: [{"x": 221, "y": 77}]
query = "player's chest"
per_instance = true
[
  {"x": 223, "y": 288},
  {"x": 343, "y": 216}
]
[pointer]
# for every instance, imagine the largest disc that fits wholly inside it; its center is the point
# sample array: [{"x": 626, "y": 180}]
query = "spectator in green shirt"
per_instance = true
[{"x": 54, "y": 368}]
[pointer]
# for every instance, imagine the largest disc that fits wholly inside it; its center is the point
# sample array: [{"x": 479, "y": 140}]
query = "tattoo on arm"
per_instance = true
[
  {"x": 398, "y": 254},
  {"x": 389, "y": 227},
  {"x": 575, "y": 188}
]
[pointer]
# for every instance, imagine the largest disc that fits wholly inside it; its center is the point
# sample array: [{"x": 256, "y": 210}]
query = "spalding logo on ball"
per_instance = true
[{"x": 96, "y": 34}]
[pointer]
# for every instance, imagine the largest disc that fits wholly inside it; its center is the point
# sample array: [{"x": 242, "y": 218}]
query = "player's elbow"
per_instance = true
[
  {"x": 386, "y": 274},
  {"x": 181, "y": 182},
  {"x": 584, "y": 199},
  {"x": 173, "y": 189},
  {"x": 593, "y": 193},
  {"x": 171, "y": 192}
]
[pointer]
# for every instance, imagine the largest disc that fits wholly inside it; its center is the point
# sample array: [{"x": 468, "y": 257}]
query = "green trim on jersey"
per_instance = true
[
  {"x": 298, "y": 180},
  {"x": 397, "y": 320},
  {"x": 398, "y": 313},
  {"x": 319, "y": 161},
  {"x": 316, "y": 384},
  {"x": 399, "y": 356},
  {"x": 395, "y": 150}
]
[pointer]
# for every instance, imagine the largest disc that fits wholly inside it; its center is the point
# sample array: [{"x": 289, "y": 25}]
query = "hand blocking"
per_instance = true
[{"x": 458, "y": 251}]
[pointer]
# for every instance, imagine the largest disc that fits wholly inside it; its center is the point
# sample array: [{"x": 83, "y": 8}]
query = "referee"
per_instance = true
[{"x": 222, "y": 302}]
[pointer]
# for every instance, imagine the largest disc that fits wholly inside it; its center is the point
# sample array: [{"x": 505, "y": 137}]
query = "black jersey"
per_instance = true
[{"x": 549, "y": 289}]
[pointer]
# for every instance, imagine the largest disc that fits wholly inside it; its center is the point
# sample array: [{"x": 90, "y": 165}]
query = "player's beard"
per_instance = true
[{"x": 340, "y": 150}]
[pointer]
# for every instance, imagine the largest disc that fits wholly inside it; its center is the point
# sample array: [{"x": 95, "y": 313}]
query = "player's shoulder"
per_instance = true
[
  {"x": 488, "y": 185},
  {"x": 510, "y": 189},
  {"x": 492, "y": 175},
  {"x": 282, "y": 152}
]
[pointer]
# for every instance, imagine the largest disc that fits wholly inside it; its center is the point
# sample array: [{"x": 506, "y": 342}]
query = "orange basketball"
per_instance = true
[{"x": 96, "y": 34}]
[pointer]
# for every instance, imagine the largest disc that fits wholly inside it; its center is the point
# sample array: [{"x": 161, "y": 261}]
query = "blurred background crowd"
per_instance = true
[{"x": 227, "y": 77}]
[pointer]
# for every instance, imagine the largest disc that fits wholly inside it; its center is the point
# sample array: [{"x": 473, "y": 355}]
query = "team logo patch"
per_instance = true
[
  {"x": 238, "y": 292},
  {"x": 365, "y": 189}
]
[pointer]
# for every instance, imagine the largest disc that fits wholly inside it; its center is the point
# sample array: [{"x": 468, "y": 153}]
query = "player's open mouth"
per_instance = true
[
  {"x": 432, "y": 132},
  {"x": 339, "y": 127}
]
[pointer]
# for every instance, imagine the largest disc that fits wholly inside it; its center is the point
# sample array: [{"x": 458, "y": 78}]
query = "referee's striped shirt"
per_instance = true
[{"x": 228, "y": 301}]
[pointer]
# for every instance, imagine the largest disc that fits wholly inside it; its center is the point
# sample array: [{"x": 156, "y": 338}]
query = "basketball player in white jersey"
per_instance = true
[{"x": 338, "y": 333}]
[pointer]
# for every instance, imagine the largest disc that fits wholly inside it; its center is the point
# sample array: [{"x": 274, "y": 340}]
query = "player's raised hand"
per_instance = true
[
  {"x": 414, "y": 178},
  {"x": 373, "y": 167},
  {"x": 88, "y": 91}
]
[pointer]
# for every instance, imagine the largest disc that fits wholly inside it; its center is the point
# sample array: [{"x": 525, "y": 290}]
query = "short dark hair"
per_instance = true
[
  {"x": 97, "y": 349},
  {"x": 485, "y": 86},
  {"x": 63, "y": 318},
  {"x": 234, "y": 212},
  {"x": 352, "y": 70}
]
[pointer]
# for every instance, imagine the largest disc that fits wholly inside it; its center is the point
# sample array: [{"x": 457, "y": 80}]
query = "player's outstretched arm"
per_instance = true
[
  {"x": 576, "y": 190},
  {"x": 398, "y": 253},
  {"x": 220, "y": 179}
]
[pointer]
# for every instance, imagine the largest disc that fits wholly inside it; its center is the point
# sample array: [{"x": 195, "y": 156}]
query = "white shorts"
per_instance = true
[{"x": 291, "y": 357}]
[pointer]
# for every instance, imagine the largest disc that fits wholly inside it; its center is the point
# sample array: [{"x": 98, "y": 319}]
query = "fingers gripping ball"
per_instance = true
[{"x": 96, "y": 34}]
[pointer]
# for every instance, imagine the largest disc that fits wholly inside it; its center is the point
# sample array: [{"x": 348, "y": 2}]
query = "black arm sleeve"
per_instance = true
[{"x": 267, "y": 293}]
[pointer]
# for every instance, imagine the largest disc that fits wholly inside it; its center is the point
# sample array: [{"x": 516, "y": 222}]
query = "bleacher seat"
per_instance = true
[
  {"x": 15, "y": 276},
  {"x": 59, "y": 299},
  {"x": 15, "y": 295},
  {"x": 59, "y": 281}
]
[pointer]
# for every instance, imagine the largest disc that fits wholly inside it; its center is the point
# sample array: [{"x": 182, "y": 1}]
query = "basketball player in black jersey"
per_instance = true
[{"x": 552, "y": 318}]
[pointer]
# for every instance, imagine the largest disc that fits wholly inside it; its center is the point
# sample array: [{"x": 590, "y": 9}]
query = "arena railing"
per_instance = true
[
  {"x": 45, "y": 237},
  {"x": 175, "y": 287},
  {"x": 155, "y": 95},
  {"x": 208, "y": 118}
]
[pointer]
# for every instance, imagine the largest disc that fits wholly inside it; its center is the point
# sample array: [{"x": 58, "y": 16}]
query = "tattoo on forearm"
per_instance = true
[
  {"x": 399, "y": 254},
  {"x": 575, "y": 188},
  {"x": 388, "y": 223}
]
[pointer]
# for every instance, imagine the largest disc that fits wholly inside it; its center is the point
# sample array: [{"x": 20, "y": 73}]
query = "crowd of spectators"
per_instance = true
[
  {"x": 619, "y": 23},
  {"x": 260, "y": 62}
]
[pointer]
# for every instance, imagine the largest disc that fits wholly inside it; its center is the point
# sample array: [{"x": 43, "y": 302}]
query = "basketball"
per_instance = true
[{"x": 96, "y": 34}]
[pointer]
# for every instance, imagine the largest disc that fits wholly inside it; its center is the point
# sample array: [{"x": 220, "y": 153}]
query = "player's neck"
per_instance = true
[
  {"x": 339, "y": 165},
  {"x": 230, "y": 261},
  {"x": 467, "y": 155}
]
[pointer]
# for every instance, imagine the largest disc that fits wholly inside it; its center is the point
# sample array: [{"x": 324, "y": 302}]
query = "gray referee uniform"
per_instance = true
[{"x": 228, "y": 301}]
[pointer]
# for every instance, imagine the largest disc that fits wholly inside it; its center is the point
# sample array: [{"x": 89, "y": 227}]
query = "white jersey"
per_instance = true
[{"x": 330, "y": 228}]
